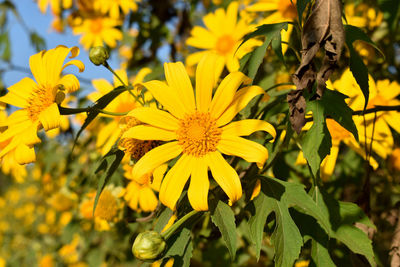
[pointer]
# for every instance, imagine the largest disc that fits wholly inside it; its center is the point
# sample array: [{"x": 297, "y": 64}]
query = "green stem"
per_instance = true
[
  {"x": 170, "y": 231},
  {"x": 70, "y": 111},
  {"x": 277, "y": 85},
  {"x": 112, "y": 113},
  {"x": 122, "y": 82}
]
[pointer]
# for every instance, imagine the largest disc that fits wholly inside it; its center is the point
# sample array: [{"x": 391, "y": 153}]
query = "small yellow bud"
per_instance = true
[
  {"x": 60, "y": 96},
  {"x": 148, "y": 246},
  {"x": 98, "y": 55}
]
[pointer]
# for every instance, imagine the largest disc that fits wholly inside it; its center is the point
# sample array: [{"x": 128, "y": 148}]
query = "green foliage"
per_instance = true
[
  {"x": 270, "y": 31},
  {"x": 108, "y": 165},
  {"x": 316, "y": 143},
  {"x": 224, "y": 218}
]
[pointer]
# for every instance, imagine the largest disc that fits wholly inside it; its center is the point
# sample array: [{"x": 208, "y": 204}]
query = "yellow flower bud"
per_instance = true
[
  {"x": 148, "y": 246},
  {"x": 98, "y": 55}
]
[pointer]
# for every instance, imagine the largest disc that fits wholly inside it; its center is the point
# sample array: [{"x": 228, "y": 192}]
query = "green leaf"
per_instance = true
[
  {"x": 37, "y": 41},
  {"x": 109, "y": 165},
  {"x": 336, "y": 107},
  {"x": 301, "y": 6},
  {"x": 276, "y": 45},
  {"x": 270, "y": 31},
  {"x": 178, "y": 243},
  {"x": 163, "y": 219},
  {"x": 342, "y": 216},
  {"x": 357, "y": 66},
  {"x": 101, "y": 103},
  {"x": 316, "y": 143},
  {"x": 223, "y": 217},
  {"x": 5, "y": 46}
]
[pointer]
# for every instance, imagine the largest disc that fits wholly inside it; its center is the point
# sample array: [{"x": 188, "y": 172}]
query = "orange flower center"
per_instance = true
[
  {"x": 40, "y": 99},
  {"x": 107, "y": 206},
  {"x": 287, "y": 9},
  {"x": 225, "y": 43},
  {"x": 96, "y": 25},
  {"x": 198, "y": 134},
  {"x": 336, "y": 130}
]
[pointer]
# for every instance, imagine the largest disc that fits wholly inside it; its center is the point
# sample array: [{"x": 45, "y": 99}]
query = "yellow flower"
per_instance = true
[
  {"x": 110, "y": 133},
  {"x": 38, "y": 101},
  {"x": 363, "y": 16},
  {"x": 198, "y": 130},
  {"x": 280, "y": 11},
  {"x": 383, "y": 93},
  {"x": 113, "y": 7},
  {"x": 69, "y": 252},
  {"x": 97, "y": 29},
  {"x": 223, "y": 35},
  {"x": 141, "y": 197},
  {"x": 55, "y": 5},
  {"x": 395, "y": 159}
]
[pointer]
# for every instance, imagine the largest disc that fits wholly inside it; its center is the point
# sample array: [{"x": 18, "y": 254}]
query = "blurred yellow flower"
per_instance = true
[
  {"x": 38, "y": 101},
  {"x": 362, "y": 15},
  {"x": 278, "y": 11},
  {"x": 97, "y": 29},
  {"x": 197, "y": 129},
  {"x": 55, "y": 5},
  {"x": 382, "y": 92},
  {"x": 221, "y": 37},
  {"x": 395, "y": 159},
  {"x": 69, "y": 252},
  {"x": 141, "y": 197},
  {"x": 125, "y": 102},
  {"x": 46, "y": 261},
  {"x": 113, "y": 7}
]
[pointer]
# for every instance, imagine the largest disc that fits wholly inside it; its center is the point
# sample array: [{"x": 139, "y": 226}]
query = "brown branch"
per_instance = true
[
  {"x": 395, "y": 247},
  {"x": 367, "y": 111}
]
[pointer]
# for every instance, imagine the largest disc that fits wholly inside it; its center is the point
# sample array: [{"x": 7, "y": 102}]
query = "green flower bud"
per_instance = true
[
  {"x": 98, "y": 55},
  {"x": 149, "y": 246}
]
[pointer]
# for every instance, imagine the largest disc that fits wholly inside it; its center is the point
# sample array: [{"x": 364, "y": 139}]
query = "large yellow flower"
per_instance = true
[
  {"x": 196, "y": 127},
  {"x": 382, "y": 93},
  {"x": 38, "y": 101},
  {"x": 97, "y": 29},
  {"x": 279, "y": 11},
  {"x": 222, "y": 36},
  {"x": 113, "y": 7},
  {"x": 125, "y": 102}
]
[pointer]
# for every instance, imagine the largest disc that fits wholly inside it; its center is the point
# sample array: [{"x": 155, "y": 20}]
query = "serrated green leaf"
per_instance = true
[
  {"x": 301, "y": 6},
  {"x": 270, "y": 31},
  {"x": 316, "y": 143},
  {"x": 336, "y": 107},
  {"x": 109, "y": 164},
  {"x": 222, "y": 216},
  {"x": 342, "y": 216},
  {"x": 357, "y": 66},
  {"x": 101, "y": 103}
]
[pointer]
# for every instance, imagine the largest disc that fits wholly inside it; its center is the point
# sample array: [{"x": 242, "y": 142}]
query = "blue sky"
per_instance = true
[{"x": 22, "y": 49}]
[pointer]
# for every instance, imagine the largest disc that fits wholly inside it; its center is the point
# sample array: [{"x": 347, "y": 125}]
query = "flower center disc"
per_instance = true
[
  {"x": 107, "y": 206},
  {"x": 96, "y": 25},
  {"x": 225, "y": 44},
  {"x": 40, "y": 99},
  {"x": 198, "y": 134}
]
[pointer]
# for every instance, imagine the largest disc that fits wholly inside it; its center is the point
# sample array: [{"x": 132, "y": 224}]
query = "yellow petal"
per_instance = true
[
  {"x": 247, "y": 127},
  {"x": 29, "y": 135},
  {"x": 147, "y": 199},
  {"x": 17, "y": 117},
  {"x": 328, "y": 164},
  {"x": 50, "y": 117},
  {"x": 246, "y": 149},
  {"x": 132, "y": 195},
  {"x": 102, "y": 85},
  {"x": 155, "y": 117},
  {"x": 37, "y": 67},
  {"x": 225, "y": 92},
  {"x": 166, "y": 97},
  {"x": 352, "y": 143},
  {"x": 153, "y": 159},
  {"x": 70, "y": 83},
  {"x": 144, "y": 132},
  {"x": 201, "y": 38},
  {"x": 199, "y": 185},
  {"x": 178, "y": 79},
  {"x": 76, "y": 63},
  {"x": 224, "y": 175},
  {"x": 158, "y": 175},
  {"x": 24, "y": 154},
  {"x": 240, "y": 101},
  {"x": 23, "y": 88},
  {"x": 205, "y": 81},
  {"x": 141, "y": 75},
  {"x": 264, "y": 6},
  {"x": 175, "y": 180}
]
